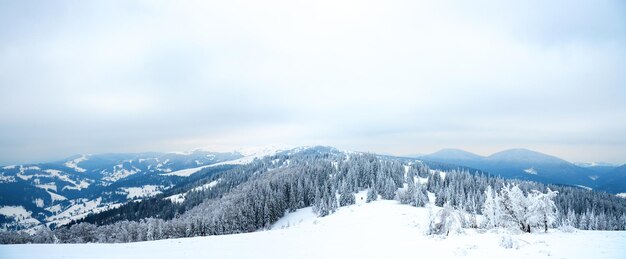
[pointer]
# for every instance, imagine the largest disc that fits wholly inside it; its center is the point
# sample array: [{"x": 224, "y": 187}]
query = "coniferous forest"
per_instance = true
[{"x": 252, "y": 197}]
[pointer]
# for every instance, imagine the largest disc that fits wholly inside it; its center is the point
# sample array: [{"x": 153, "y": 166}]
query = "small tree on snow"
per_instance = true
[
  {"x": 389, "y": 189},
  {"x": 491, "y": 209},
  {"x": 511, "y": 207},
  {"x": 346, "y": 197},
  {"x": 445, "y": 222},
  {"x": 372, "y": 195},
  {"x": 542, "y": 208},
  {"x": 515, "y": 207},
  {"x": 421, "y": 196},
  {"x": 407, "y": 196}
]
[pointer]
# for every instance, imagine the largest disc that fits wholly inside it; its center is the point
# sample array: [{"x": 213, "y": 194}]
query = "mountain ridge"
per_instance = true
[
  {"x": 527, "y": 164},
  {"x": 84, "y": 183}
]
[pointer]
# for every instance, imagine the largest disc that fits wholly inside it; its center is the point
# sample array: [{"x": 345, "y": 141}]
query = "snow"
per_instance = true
[
  {"x": 23, "y": 169},
  {"x": 585, "y": 187},
  {"x": 14, "y": 211},
  {"x": 21, "y": 217},
  {"x": 176, "y": 198},
  {"x": 621, "y": 195},
  {"x": 180, "y": 198},
  {"x": 300, "y": 216},
  {"x": 380, "y": 229},
  {"x": 74, "y": 164},
  {"x": 181, "y": 153},
  {"x": 29, "y": 168},
  {"x": 252, "y": 153},
  {"x": 39, "y": 203},
  {"x": 79, "y": 211},
  {"x": 206, "y": 186},
  {"x": 530, "y": 171},
  {"x": 594, "y": 164},
  {"x": 186, "y": 172},
  {"x": 142, "y": 192},
  {"x": 48, "y": 186},
  {"x": 54, "y": 209},
  {"x": 9, "y": 167},
  {"x": 56, "y": 197},
  {"x": 77, "y": 186},
  {"x": 249, "y": 155},
  {"x": 6, "y": 178},
  {"x": 51, "y": 173},
  {"x": 119, "y": 172}
]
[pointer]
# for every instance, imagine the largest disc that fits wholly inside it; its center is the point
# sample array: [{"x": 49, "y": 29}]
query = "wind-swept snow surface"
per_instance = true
[{"x": 381, "y": 229}]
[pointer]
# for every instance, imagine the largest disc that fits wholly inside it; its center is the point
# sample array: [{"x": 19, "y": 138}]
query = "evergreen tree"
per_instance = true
[{"x": 372, "y": 195}]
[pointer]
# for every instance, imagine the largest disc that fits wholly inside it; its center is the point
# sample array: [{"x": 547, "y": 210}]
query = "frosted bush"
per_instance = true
[
  {"x": 508, "y": 242},
  {"x": 567, "y": 229},
  {"x": 445, "y": 222}
]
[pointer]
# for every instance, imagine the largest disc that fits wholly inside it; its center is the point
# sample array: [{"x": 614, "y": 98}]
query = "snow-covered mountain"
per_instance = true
[
  {"x": 70, "y": 189},
  {"x": 529, "y": 165},
  {"x": 451, "y": 154},
  {"x": 614, "y": 181},
  {"x": 324, "y": 196},
  {"x": 60, "y": 191}
]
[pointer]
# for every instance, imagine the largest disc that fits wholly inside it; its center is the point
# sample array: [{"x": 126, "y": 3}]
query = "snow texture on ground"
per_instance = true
[{"x": 381, "y": 229}]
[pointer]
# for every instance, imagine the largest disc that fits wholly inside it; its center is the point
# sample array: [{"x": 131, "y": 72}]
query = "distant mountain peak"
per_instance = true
[
  {"x": 245, "y": 150},
  {"x": 525, "y": 155},
  {"x": 454, "y": 153}
]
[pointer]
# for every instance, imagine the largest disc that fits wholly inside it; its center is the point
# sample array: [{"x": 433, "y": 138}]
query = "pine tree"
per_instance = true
[
  {"x": 407, "y": 196},
  {"x": 421, "y": 196},
  {"x": 372, "y": 195},
  {"x": 490, "y": 209},
  {"x": 346, "y": 197}
]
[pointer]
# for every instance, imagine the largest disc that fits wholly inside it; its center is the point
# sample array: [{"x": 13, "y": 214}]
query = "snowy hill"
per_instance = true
[
  {"x": 312, "y": 203},
  {"x": 58, "y": 192},
  {"x": 61, "y": 191},
  {"x": 451, "y": 154},
  {"x": 380, "y": 229}
]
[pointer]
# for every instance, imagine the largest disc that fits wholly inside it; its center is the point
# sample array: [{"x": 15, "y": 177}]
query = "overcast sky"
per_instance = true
[{"x": 398, "y": 77}]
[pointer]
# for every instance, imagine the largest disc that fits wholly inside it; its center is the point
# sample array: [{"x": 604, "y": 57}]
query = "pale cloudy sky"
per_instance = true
[{"x": 399, "y": 77}]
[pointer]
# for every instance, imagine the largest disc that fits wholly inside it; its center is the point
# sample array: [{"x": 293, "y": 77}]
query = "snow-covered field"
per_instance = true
[{"x": 381, "y": 229}]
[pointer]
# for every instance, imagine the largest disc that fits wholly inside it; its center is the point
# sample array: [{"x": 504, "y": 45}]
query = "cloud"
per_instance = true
[{"x": 394, "y": 76}]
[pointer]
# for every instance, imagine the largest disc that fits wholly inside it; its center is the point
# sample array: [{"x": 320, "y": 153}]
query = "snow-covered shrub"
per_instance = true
[
  {"x": 542, "y": 209},
  {"x": 445, "y": 222},
  {"x": 567, "y": 229},
  {"x": 508, "y": 242},
  {"x": 511, "y": 208}
]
